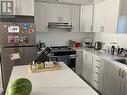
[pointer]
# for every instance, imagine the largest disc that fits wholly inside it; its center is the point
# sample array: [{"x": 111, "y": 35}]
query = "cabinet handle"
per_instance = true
[
  {"x": 98, "y": 67},
  {"x": 123, "y": 73},
  {"x": 119, "y": 72},
  {"x": 102, "y": 29},
  {"x": 91, "y": 28},
  {"x": 96, "y": 81},
  {"x": 97, "y": 73},
  {"x": 98, "y": 60}
]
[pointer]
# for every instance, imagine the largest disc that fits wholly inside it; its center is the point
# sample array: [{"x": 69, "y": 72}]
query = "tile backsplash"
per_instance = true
[
  {"x": 61, "y": 38},
  {"x": 121, "y": 39}
]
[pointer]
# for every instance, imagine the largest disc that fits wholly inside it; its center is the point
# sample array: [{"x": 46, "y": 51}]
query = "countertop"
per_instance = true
[
  {"x": 107, "y": 56},
  {"x": 59, "y": 82}
]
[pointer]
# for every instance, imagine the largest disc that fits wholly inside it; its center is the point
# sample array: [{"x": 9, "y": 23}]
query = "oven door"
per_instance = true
[
  {"x": 69, "y": 60},
  {"x": 72, "y": 61}
]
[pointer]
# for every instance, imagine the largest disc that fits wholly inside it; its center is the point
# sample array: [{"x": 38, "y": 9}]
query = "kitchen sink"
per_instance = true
[{"x": 123, "y": 61}]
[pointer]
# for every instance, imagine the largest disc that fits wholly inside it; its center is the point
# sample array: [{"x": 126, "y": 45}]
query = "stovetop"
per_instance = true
[{"x": 62, "y": 50}]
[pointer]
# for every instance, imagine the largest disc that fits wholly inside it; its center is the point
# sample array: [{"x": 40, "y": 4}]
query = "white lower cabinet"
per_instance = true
[
  {"x": 124, "y": 82},
  {"x": 87, "y": 66},
  {"x": 79, "y": 60},
  {"x": 113, "y": 79},
  {"x": 98, "y": 73}
]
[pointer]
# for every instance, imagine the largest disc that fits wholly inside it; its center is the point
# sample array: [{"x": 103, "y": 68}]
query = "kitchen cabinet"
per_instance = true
[
  {"x": 40, "y": 16},
  {"x": 78, "y": 1},
  {"x": 111, "y": 17},
  {"x": 64, "y": 13},
  {"x": 86, "y": 19},
  {"x": 98, "y": 73},
  {"x": 75, "y": 18},
  {"x": 97, "y": 1},
  {"x": 79, "y": 61},
  {"x": 113, "y": 79},
  {"x": 124, "y": 82},
  {"x": 24, "y": 7},
  {"x": 99, "y": 17},
  {"x": 53, "y": 12},
  {"x": 87, "y": 66},
  {"x": 58, "y": 13}
]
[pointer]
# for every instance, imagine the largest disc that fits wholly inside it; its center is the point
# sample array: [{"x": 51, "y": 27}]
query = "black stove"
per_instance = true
[
  {"x": 62, "y": 50},
  {"x": 64, "y": 54}
]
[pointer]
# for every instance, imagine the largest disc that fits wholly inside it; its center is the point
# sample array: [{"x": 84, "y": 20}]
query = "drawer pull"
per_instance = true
[
  {"x": 119, "y": 72},
  {"x": 96, "y": 81},
  {"x": 98, "y": 60},
  {"x": 97, "y": 73},
  {"x": 123, "y": 74},
  {"x": 98, "y": 67}
]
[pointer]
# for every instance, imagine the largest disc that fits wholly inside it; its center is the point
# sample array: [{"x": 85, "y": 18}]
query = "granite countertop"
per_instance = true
[
  {"x": 105, "y": 55},
  {"x": 59, "y": 82}
]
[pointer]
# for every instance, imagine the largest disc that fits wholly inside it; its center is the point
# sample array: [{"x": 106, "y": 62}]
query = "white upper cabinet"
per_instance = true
[
  {"x": 66, "y": 13},
  {"x": 111, "y": 17},
  {"x": 40, "y": 16},
  {"x": 53, "y": 12},
  {"x": 58, "y": 13},
  {"x": 97, "y": 1},
  {"x": 50, "y": 12},
  {"x": 24, "y": 7},
  {"x": 105, "y": 20},
  {"x": 78, "y": 1},
  {"x": 86, "y": 18},
  {"x": 75, "y": 18},
  {"x": 99, "y": 17}
]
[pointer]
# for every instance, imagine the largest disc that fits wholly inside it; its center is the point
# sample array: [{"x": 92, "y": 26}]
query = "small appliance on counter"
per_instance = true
[
  {"x": 75, "y": 44},
  {"x": 40, "y": 45},
  {"x": 98, "y": 45},
  {"x": 87, "y": 42}
]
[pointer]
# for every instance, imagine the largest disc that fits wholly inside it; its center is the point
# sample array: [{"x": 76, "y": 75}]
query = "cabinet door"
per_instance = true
[
  {"x": 99, "y": 17},
  {"x": 113, "y": 79},
  {"x": 66, "y": 13},
  {"x": 111, "y": 17},
  {"x": 84, "y": 65},
  {"x": 40, "y": 16},
  {"x": 86, "y": 19},
  {"x": 124, "y": 83},
  {"x": 79, "y": 61},
  {"x": 53, "y": 12},
  {"x": 75, "y": 18},
  {"x": 87, "y": 66},
  {"x": 89, "y": 63},
  {"x": 25, "y": 7},
  {"x": 98, "y": 73}
]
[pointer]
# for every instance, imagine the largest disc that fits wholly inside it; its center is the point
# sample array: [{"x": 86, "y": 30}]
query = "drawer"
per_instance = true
[
  {"x": 98, "y": 69},
  {"x": 98, "y": 76},
  {"x": 98, "y": 85},
  {"x": 98, "y": 63}
]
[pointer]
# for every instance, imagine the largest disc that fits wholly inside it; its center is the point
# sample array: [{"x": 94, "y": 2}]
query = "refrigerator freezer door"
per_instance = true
[
  {"x": 14, "y": 57},
  {"x": 25, "y": 36}
]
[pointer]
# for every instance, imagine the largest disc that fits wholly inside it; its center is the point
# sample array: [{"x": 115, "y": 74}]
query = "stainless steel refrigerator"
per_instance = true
[{"x": 18, "y": 47}]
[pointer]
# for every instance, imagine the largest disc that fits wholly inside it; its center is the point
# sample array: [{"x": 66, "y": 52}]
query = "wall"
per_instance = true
[
  {"x": 121, "y": 39},
  {"x": 61, "y": 38}
]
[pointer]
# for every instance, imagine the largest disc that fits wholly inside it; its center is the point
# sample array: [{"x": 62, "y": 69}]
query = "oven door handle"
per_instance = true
[{"x": 72, "y": 56}]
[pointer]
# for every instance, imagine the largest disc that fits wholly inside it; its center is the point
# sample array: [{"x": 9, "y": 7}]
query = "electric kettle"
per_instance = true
[{"x": 98, "y": 45}]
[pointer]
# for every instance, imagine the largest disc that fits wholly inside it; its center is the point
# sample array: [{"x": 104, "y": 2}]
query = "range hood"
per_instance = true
[{"x": 60, "y": 25}]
